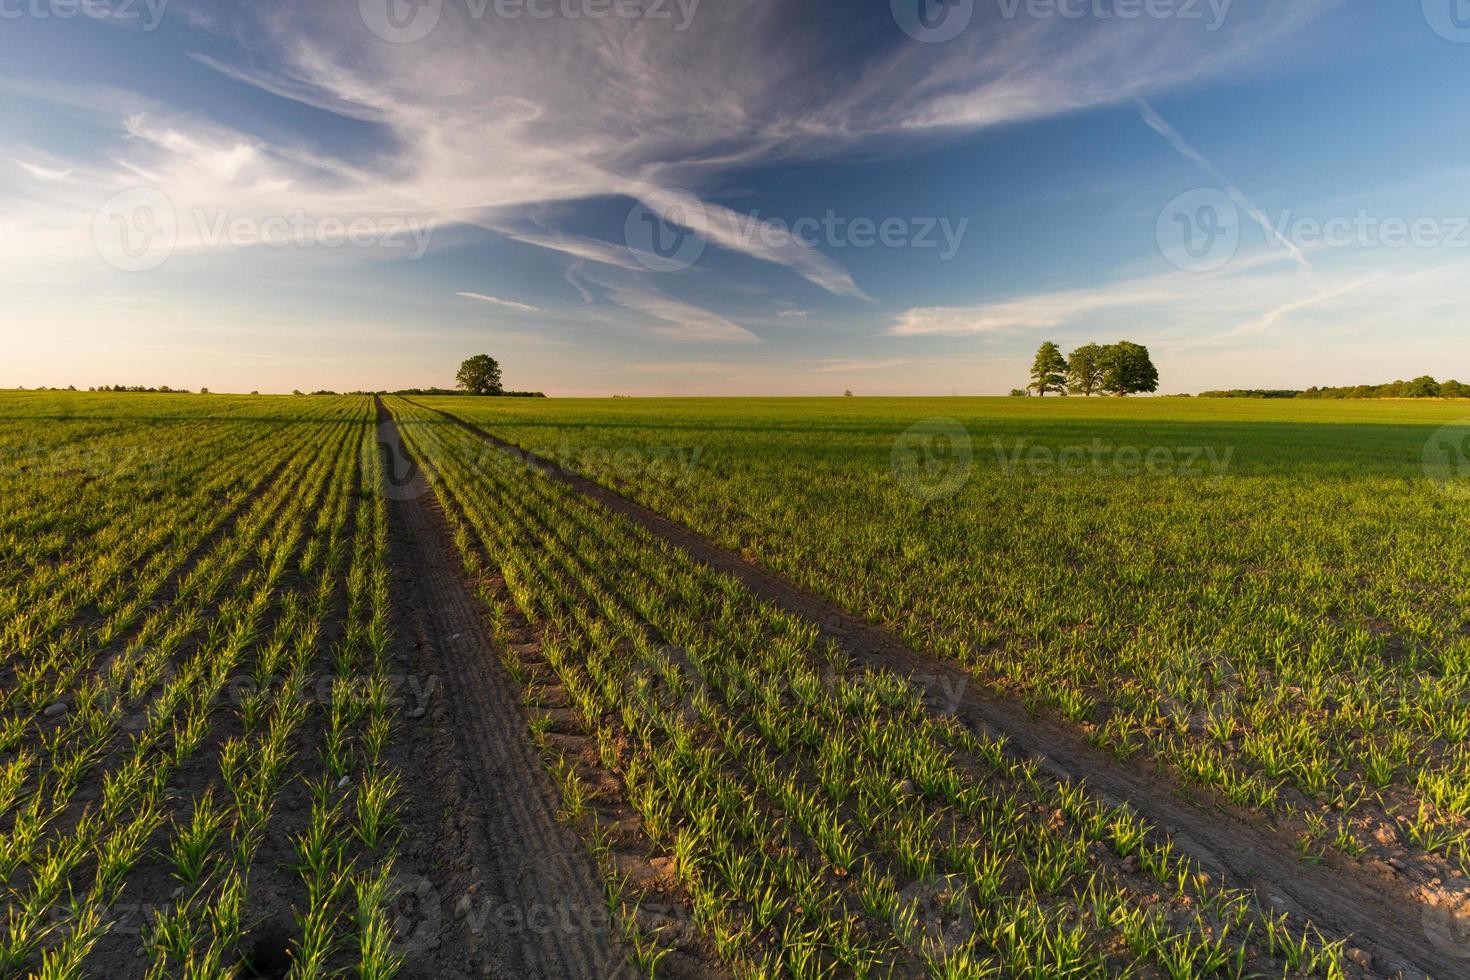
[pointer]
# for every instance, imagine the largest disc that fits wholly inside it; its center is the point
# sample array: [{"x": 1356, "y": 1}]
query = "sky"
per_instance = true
[{"x": 731, "y": 197}]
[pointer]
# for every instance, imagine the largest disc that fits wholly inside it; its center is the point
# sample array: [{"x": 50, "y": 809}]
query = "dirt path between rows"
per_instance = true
[
  {"x": 508, "y": 891},
  {"x": 1381, "y": 917}
]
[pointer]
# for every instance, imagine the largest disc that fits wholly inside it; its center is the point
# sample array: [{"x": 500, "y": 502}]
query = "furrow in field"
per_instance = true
[
  {"x": 528, "y": 860},
  {"x": 844, "y": 784}
]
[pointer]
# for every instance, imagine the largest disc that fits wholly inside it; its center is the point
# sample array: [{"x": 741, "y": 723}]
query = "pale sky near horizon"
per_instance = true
[{"x": 730, "y": 196}]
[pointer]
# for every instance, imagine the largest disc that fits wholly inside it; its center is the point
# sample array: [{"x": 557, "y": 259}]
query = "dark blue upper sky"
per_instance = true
[{"x": 725, "y": 198}]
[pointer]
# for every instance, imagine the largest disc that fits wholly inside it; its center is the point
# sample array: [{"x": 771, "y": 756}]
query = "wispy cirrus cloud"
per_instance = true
[
  {"x": 487, "y": 115},
  {"x": 1187, "y": 310},
  {"x": 677, "y": 319}
]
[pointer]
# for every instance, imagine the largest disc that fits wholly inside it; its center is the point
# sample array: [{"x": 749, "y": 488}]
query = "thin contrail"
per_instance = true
[{"x": 1158, "y": 125}]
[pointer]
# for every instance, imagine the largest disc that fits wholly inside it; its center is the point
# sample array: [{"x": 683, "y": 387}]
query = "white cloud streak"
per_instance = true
[
  {"x": 1158, "y": 125},
  {"x": 1186, "y": 309},
  {"x": 508, "y": 304}
]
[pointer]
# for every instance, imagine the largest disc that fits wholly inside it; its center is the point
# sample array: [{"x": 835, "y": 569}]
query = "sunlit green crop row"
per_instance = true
[
  {"x": 1271, "y": 598},
  {"x": 823, "y": 820},
  {"x": 258, "y": 526}
]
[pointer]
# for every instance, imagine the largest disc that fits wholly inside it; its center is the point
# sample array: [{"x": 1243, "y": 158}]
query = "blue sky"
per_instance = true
[{"x": 360, "y": 193}]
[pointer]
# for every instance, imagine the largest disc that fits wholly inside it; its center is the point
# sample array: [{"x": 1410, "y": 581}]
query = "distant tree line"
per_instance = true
[
  {"x": 1124, "y": 368},
  {"x": 1251, "y": 393},
  {"x": 1425, "y": 387},
  {"x": 425, "y": 392}
]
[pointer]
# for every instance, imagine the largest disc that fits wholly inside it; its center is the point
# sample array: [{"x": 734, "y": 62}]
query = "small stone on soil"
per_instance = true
[{"x": 57, "y": 710}]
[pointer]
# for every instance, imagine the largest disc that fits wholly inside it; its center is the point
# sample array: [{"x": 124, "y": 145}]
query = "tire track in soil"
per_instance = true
[
  {"x": 518, "y": 895},
  {"x": 1381, "y": 917}
]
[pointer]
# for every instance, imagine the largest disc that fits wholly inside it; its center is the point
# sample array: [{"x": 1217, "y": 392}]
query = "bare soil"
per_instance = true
[{"x": 499, "y": 888}]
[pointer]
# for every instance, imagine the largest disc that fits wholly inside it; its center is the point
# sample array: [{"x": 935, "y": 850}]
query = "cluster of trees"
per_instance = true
[
  {"x": 160, "y": 390},
  {"x": 1425, "y": 387},
  {"x": 1124, "y": 368}
]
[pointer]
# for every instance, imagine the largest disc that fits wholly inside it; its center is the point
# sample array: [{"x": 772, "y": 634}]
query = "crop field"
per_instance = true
[
  {"x": 179, "y": 577},
  {"x": 1194, "y": 687},
  {"x": 1272, "y": 599}
]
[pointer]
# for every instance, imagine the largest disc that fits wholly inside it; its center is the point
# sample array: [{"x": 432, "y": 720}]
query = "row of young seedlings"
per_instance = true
[
  {"x": 215, "y": 850},
  {"x": 51, "y": 764},
  {"x": 155, "y": 544},
  {"x": 1288, "y": 733},
  {"x": 345, "y": 857},
  {"x": 823, "y": 820},
  {"x": 1313, "y": 718},
  {"x": 126, "y": 531},
  {"x": 56, "y": 501},
  {"x": 1285, "y": 708},
  {"x": 83, "y": 871}
]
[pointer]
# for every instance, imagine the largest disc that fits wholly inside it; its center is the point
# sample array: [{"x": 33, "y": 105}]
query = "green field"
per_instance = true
[
  {"x": 204, "y": 768},
  {"x": 1273, "y": 597},
  {"x": 179, "y": 576}
]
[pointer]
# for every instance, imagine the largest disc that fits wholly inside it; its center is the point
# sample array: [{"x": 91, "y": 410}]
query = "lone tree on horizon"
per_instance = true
[
  {"x": 1049, "y": 370},
  {"x": 480, "y": 375}
]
